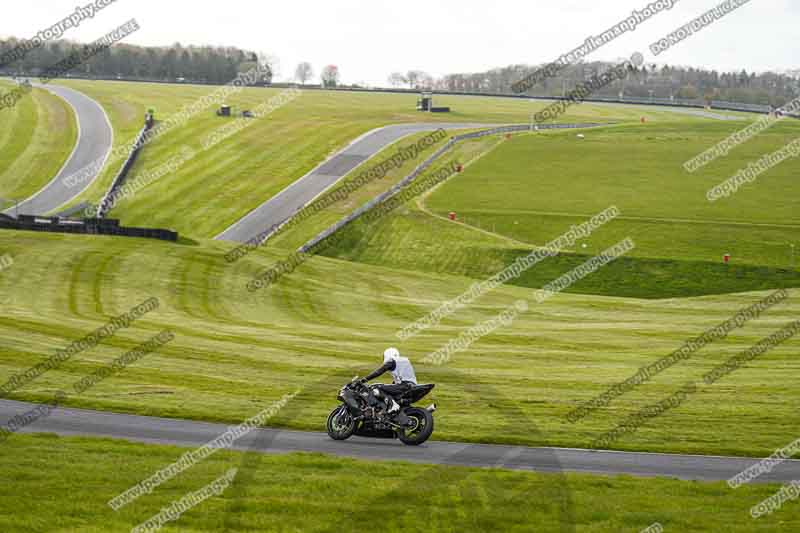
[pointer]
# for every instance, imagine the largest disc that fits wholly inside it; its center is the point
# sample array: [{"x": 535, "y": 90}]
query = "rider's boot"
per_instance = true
[
  {"x": 394, "y": 407},
  {"x": 398, "y": 416}
]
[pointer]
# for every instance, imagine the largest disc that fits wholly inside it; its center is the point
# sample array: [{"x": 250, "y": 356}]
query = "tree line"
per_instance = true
[
  {"x": 646, "y": 81},
  {"x": 219, "y": 65},
  {"x": 204, "y": 64}
]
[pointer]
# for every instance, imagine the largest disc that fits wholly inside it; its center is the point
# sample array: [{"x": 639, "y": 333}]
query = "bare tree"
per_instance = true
[
  {"x": 270, "y": 63},
  {"x": 330, "y": 76},
  {"x": 412, "y": 77},
  {"x": 263, "y": 69},
  {"x": 304, "y": 72},
  {"x": 426, "y": 81},
  {"x": 418, "y": 78},
  {"x": 396, "y": 79}
]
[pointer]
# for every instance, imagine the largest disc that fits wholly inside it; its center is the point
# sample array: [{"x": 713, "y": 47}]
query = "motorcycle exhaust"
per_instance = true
[{"x": 431, "y": 407}]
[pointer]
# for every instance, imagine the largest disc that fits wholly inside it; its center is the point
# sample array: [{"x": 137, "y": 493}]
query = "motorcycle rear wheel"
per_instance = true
[
  {"x": 423, "y": 429},
  {"x": 340, "y": 424}
]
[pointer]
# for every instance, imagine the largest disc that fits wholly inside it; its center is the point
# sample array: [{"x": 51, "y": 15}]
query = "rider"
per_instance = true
[{"x": 402, "y": 375}]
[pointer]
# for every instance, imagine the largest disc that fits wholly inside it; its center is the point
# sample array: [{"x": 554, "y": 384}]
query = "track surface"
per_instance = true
[
  {"x": 78, "y": 422},
  {"x": 296, "y": 196},
  {"x": 94, "y": 143},
  {"x": 300, "y": 193}
]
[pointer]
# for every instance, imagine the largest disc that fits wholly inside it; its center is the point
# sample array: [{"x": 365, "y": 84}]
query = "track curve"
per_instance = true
[
  {"x": 282, "y": 206},
  {"x": 95, "y": 139},
  {"x": 296, "y": 196}
]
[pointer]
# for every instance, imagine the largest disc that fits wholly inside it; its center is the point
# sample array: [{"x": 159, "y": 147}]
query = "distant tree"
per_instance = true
[
  {"x": 193, "y": 63},
  {"x": 418, "y": 78},
  {"x": 270, "y": 64},
  {"x": 219, "y": 65},
  {"x": 330, "y": 76},
  {"x": 304, "y": 72},
  {"x": 396, "y": 79},
  {"x": 425, "y": 81},
  {"x": 412, "y": 78},
  {"x": 265, "y": 77},
  {"x": 169, "y": 64},
  {"x": 246, "y": 66}
]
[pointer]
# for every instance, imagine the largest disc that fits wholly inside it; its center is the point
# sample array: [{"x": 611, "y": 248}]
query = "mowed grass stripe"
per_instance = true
[
  {"x": 22, "y": 121},
  {"x": 236, "y": 180},
  {"x": 234, "y": 349},
  {"x": 38, "y": 136},
  {"x": 638, "y": 168},
  {"x": 125, "y": 108},
  {"x": 312, "y": 492},
  {"x": 509, "y": 191},
  {"x": 415, "y": 240}
]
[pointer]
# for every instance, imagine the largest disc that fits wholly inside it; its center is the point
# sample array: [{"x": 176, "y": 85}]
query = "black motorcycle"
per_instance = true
[{"x": 363, "y": 413}]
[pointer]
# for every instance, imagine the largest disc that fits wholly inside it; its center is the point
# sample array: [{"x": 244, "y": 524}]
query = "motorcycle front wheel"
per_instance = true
[
  {"x": 421, "y": 431},
  {"x": 340, "y": 424}
]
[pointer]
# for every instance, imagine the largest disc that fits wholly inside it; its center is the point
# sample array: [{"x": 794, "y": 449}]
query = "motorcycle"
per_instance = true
[{"x": 363, "y": 413}]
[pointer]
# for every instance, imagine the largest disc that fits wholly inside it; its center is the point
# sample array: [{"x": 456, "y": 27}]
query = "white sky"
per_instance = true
[{"x": 368, "y": 39}]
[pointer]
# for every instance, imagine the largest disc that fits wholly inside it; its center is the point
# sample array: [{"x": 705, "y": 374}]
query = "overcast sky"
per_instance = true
[{"x": 368, "y": 39}]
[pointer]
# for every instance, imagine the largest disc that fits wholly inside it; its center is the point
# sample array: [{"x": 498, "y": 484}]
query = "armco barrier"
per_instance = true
[
  {"x": 89, "y": 226},
  {"x": 106, "y": 203},
  {"x": 405, "y": 182}
]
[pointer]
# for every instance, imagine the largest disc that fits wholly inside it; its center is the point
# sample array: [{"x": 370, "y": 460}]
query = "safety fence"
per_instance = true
[
  {"x": 677, "y": 102},
  {"x": 107, "y": 203},
  {"x": 89, "y": 226},
  {"x": 408, "y": 180}
]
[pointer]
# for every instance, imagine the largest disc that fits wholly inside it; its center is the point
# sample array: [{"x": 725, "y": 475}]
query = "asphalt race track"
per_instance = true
[
  {"x": 96, "y": 138},
  {"x": 300, "y": 193},
  {"x": 94, "y": 143},
  {"x": 79, "y": 422},
  {"x": 296, "y": 196}
]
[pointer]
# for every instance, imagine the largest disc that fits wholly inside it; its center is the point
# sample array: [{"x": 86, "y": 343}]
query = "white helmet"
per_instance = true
[{"x": 391, "y": 354}]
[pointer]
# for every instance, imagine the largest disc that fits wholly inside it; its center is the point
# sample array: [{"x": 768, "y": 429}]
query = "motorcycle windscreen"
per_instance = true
[{"x": 351, "y": 403}]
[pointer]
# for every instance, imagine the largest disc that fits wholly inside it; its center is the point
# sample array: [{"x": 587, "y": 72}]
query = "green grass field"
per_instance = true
[
  {"x": 315, "y": 493},
  {"x": 36, "y": 138},
  {"x": 415, "y": 240},
  {"x": 532, "y": 188},
  {"x": 320, "y": 219},
  {"x": 331, "y": 319},
  {"x": 222, "y": 184},
  {"x": 235, "y": 352}
]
